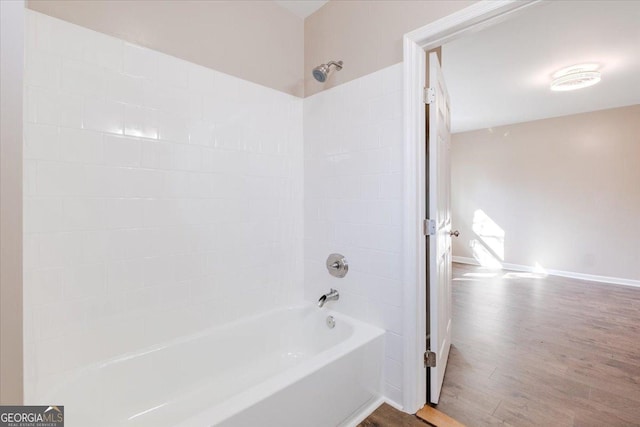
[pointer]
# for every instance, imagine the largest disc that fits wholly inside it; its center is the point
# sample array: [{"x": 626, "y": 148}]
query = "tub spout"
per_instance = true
[{"x": 331, "y": 296}]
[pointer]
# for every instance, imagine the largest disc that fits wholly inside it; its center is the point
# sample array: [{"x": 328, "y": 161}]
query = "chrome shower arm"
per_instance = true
[{"x": 338, "y": 64}]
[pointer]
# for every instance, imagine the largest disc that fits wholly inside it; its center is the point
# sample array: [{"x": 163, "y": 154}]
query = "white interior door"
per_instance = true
[{"x": 439, "y": 211}]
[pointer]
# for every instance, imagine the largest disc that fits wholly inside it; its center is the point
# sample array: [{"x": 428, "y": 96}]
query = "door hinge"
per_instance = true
[
  {"x": 429, "y": 227},
  {"x": 429, "y": 359},
  {"x": 429, "y": 95}
]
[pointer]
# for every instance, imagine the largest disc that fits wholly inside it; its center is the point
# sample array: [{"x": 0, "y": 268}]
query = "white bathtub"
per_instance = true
[{"x": 283, "y": 368}]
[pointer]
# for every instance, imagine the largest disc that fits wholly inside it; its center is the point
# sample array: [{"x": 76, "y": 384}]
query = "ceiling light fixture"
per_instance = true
[{"x": 575, "y": 77}]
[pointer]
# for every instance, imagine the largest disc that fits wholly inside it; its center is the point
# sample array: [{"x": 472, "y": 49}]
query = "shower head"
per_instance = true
[{"x": 321, "y": 72}]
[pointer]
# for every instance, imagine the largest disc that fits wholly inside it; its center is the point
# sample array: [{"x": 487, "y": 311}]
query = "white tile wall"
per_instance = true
[
  {"x": 159, "y": 196},
  {"x": 353, "y": 200},
  {"x": 157, "y": 193}
]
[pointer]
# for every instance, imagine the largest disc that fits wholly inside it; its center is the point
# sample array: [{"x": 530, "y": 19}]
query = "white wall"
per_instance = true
[
  {"x": 561, "y": 194},
  {"x": 160, "y": 197},
  {"x": 353, "y": 203}
]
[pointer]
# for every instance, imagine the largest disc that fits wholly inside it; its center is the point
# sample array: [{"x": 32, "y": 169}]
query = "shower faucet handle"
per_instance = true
[{"x": 337, "y": 265}]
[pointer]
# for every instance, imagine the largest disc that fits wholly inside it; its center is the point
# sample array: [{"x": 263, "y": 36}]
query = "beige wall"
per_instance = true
[
  {"x": 11, "y": 70},
  {"x": 366, "y": 35},
  {"x": 564, "y": 191},
  {"x": 258, "y": 41}
]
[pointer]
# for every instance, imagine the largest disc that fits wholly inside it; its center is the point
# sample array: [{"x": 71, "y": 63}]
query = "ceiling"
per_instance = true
[
  {"x": 302, "y": 8},
  {"x": 501, "y": 75}
]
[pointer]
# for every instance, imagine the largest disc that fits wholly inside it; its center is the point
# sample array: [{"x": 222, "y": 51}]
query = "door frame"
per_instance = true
[{"x": 471, "y": 19}]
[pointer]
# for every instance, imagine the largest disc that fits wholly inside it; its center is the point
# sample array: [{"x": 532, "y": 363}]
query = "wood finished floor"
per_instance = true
[
  {"x": 387, "y": 416},
  {"x": 536, "y": 351}
]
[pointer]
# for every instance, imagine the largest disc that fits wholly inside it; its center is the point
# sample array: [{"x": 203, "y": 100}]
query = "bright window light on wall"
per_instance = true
[{"x": 575, "y": 77}]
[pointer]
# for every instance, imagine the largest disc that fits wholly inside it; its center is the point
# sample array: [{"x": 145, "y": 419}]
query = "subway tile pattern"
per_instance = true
[
  {"x": 353, "y": 203},
  {"x": 160, "y": 198}
]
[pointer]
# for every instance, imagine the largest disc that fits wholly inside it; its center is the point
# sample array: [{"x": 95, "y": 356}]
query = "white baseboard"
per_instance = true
[
  {"x": 464, "y": 260},
  {"x": 362, "y": 413},
  {"x": 561, "y": 273},
  {"x": 368, "y": 409}
]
